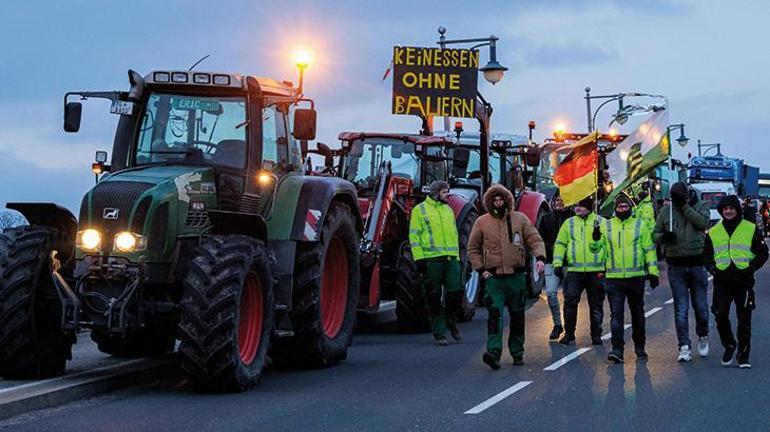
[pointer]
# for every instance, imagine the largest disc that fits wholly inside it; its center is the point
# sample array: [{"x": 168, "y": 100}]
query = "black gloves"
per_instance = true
[
  {"x": 668, "y": 237},
  {"x": 422, "y": 267},
  {"x": 558, "y": 272},
  {"x": 654, "y": 281},
  {"x": 597, "y": 234},
  {"x": 678, "y": 201}
]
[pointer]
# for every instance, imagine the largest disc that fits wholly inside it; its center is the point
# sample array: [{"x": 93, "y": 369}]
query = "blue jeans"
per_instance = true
[
  {"x": 552, "y": 294},
  {"x": 689, "y": 283}
]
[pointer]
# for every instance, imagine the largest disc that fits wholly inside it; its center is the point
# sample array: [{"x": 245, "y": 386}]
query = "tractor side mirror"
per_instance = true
[
  {"x": 72, "y": 112},
  {"x": 533, "y": 157},
  {"x": 460, "y": 159},
  {"x": 326, "y": 152},
  {"x": 304, "y": 124}
]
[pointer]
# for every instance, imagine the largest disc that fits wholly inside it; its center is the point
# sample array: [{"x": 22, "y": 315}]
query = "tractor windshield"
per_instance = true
[
  {"x": 193, "y": 130},
  {"x": 550, "y": 157},
  {"x": 474, "y": 165},
  {"x": 366, "y": 156}
]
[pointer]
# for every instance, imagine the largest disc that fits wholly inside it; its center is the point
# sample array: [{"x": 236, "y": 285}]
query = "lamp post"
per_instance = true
[
  {"x": 706, "y": 147},
  {"x": 624, "y": 111},
  {"x": 493, "y": 72},
  {"x": 682, "y": 140}
]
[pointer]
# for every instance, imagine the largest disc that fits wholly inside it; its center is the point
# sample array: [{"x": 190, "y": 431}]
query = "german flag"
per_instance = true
[{"x": 576, "y": 174}]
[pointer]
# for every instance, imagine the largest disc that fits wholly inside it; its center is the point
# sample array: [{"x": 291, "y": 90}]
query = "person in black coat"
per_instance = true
[{"x": 549, "y": 230}]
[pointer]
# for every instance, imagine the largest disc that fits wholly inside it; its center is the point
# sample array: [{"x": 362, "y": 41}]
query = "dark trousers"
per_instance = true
[
  {"x": 726, "y": 292},
  {"x": 574, "y": 285},
  {"x": 618, "y": 290},
  {"x": 443, "y": 272}
]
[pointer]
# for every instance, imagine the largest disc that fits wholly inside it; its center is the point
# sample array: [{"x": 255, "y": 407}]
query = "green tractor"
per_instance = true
[{"x": 203, "y": 229}]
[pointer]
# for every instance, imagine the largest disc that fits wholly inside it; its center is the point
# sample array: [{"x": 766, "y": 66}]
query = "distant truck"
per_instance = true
[
  {"x": 712, "y": 193},
  {"x": 719, "y": 168}
]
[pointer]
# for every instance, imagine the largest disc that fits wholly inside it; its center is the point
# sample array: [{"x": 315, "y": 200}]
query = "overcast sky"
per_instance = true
[{"x": 709, "y": 57}]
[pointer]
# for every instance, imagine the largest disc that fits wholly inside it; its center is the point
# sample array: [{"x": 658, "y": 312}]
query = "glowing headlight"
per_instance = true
[
  {"x": 128, "y": 242},
  {"x": 89, "y": 239}
]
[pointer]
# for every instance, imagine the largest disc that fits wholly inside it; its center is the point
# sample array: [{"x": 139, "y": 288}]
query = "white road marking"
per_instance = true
[
  {"x": 564, "y": 360},
  {"x": 669, "y": 301},
  {"x": 652, "y": 311},
  {"x": 498, "y": 397}
]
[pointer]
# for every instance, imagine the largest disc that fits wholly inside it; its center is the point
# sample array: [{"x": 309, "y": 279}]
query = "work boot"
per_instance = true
[
  {"x": 440, "y": 340},
  {"x": 518, "y": 361},
  {"x": 727, "y": 357},
  {"x": 743, "y": 359},
  {"x": 596, "y": 340},
  {"x": 567, "y": 339},
  {"x": 556, "y": 332},
  {"x": 703, "y": 346},
  {"x": 615, "y": 356},
  {"x": 455, "y": 332},
  {"x": 491, "y": 360}
]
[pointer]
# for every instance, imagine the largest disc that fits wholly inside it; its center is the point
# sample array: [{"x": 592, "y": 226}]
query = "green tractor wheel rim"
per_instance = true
[
  {"x": 334, "y": 288},
  {"x": 251, "y": 317}
]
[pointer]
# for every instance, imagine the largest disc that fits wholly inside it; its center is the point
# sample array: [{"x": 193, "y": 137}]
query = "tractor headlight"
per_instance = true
[
  {"x": 129, "y": 242},
  {"x": 89, "y": 239}
]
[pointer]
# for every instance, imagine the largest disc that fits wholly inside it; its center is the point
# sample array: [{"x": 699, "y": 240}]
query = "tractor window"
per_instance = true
[
  {"x": 365, "y": 158},
  {"x": 193, "y": 130},
  {"x": 274, "y": 138},
  {"x": 474, "y": 165}
]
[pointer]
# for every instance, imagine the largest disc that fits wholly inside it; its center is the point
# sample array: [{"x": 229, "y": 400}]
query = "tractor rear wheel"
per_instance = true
[
  {"x": 32, "y": 342},
  {"x": 326, "y": 283},
  {"x": 470, "y": 278},
  {"x": 226, "y": 317},
  {"x": 412, "y": 311}
]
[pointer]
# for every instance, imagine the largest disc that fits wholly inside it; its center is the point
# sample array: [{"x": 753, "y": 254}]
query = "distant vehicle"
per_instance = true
[
  {"x": 712, "y": 193},
  {"x": 720, "y": 168}
]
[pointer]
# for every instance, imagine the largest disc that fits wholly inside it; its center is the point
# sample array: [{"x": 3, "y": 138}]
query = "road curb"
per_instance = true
[{"x": 53, "y": 392}]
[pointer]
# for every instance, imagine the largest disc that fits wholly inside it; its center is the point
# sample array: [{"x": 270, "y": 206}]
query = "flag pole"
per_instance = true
[{"x": 671, "y": 168}]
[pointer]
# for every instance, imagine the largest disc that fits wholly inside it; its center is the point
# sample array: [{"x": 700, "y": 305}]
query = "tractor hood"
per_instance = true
[{"x": 159, "y": 202}]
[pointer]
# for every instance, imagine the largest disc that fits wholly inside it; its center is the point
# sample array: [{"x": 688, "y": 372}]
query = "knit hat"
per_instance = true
[
  {"x": 587, "y": 202},
  {"x": 623, "y": 198},
  {"x": 731, "y": 201}
]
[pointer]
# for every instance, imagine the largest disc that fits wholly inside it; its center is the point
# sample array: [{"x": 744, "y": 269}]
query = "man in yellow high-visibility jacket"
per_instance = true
[
  {"x": 578, "y": 250},
  {"x": 435, "y": 249},
  {"x": 734, "y": 250},
  {"x": 627, "y": 243}
]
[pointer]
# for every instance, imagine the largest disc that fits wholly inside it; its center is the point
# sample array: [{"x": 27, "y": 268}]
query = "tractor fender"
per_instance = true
[
  {"x": 530, "y": 203},
  {"x": 230, "y": 222},
  {"x": 50, "y": 215},
  {"x": 461, "y": 205},
  {"x": 315, "y": 196}
]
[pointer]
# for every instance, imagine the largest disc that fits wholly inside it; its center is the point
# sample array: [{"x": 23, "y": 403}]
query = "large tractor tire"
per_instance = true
[
  {"x": 32, "y": 342},
  {"x": 326, "y": 283},
  {"x": 158, "y": 338},
  {"x": 470, "y": 278},
  {"x": 412, "y": 311},
  {"x": 226, "y": 320}
]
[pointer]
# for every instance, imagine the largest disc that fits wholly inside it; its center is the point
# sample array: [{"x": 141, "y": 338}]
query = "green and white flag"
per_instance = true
[{"x": 643, "y": 150}]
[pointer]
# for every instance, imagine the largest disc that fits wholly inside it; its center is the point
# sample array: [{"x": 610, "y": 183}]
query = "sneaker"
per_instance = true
[
  {"x": 518, "y": 361},
  {"x": 556, "y": 332},
  {"x": 641, "y": 354},
  {"x": 567, "y": 339},
  {"x": 685, "y": 355},
  {"x": 491, "y": 360},
  {"x": 596, "y": 340},
  {"x": 727, "y": 357},
  {"x": 441, "y": 340},
  {"x": 743, "y": 360},
  {"x": 456, "y": 335},
  {"x": 703, "y": 346},
  {"x": 615, "y": 356}
]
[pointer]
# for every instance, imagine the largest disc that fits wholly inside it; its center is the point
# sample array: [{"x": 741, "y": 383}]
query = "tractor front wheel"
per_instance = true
[
  {"x": 227, "y": 313},
  {"x": 32, "y": 343}
]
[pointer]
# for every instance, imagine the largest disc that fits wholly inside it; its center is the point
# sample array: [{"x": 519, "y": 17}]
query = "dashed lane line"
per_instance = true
[
  {"x": 498, "y": 397},
  {"x": 653, "y": 311},
  {"x": 669, "y": 301},
  {"x": 566, "y": 359}
]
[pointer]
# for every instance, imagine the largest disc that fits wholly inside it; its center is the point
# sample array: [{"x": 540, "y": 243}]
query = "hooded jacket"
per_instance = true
[
  {"x": 758, "y": 247},
  {"x": 689, "y": 224},
  {"x": 496, "y": 244}
]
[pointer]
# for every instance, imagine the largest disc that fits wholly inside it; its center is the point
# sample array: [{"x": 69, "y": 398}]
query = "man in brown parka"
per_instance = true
[{"x": 496, "y": 249}]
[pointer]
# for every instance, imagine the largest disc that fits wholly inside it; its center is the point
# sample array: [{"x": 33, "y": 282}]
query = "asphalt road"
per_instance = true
[{"x": 403, "y": 382}]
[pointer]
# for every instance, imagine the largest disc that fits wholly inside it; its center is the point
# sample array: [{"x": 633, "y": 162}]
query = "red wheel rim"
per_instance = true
[
  {"x": 250, "y": 320},
  {"x": 334, "y": 288}
]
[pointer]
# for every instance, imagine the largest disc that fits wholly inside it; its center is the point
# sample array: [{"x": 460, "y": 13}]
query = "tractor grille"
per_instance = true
[
  {"x": 250, "y": 203},
  {"x": 115, "y": 201},
  {"x": 196, "y": 219}
]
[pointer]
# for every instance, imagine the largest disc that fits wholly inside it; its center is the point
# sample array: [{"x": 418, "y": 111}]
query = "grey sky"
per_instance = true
[{"x": 709, "y": 57}]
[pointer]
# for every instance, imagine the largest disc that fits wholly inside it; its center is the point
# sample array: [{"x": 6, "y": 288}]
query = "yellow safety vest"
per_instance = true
[
  {"x": 575, "y": 240},
  {"x": 433, "y": 231},
  {"x": 735, "y": 248},
  {"x": 630, "y": 250}
]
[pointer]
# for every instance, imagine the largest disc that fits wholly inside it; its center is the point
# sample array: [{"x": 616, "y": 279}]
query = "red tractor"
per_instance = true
[{"x": 392, "y": 173}]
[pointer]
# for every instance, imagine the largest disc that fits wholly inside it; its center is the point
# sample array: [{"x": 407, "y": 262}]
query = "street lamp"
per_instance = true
[
  {"x": 493, "y": 70},
  {"x": 682, "y": 140},
  {"x": 624, "y": 111},
  {"x": 709, "y": 146},
  {"x": 302, "y": 59}
]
